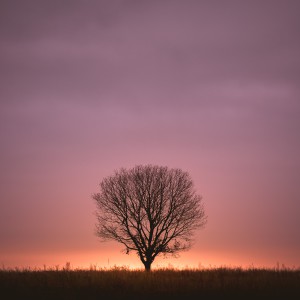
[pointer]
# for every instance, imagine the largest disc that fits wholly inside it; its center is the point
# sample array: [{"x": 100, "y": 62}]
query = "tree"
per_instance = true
[{"x": 151, "y": 210}]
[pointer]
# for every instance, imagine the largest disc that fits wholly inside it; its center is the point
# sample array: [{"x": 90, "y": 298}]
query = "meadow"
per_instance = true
[{"x": 122, "y": 283}]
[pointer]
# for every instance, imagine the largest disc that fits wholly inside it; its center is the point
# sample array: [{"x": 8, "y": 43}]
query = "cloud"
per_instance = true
[{"x": 133, "y": 53}]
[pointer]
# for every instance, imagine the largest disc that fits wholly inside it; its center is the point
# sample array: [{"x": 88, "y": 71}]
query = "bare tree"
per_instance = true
[{"x": 149, "y": 209}]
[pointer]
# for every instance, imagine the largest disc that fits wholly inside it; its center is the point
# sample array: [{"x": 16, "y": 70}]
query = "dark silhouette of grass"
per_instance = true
[{"x": 121, "y": 283}]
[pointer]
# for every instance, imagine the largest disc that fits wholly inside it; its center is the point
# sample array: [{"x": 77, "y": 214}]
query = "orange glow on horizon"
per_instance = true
[{"x": 111, "y": 259}]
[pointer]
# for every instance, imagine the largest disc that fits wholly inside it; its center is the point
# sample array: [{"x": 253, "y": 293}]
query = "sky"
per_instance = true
[{"x": 210, "y": 87}]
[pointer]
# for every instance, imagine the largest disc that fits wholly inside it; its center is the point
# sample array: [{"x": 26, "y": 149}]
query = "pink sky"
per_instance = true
[{"x": 211, "y": 87}]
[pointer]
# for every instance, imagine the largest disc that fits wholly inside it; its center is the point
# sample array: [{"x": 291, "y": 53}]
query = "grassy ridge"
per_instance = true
[{"x": 120, "y": 283}]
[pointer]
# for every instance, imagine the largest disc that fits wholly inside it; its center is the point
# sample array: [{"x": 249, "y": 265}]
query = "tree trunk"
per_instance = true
[{"x": 147, "y": 265}]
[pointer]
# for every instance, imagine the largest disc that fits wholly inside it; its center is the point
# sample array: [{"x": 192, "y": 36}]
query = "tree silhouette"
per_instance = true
[{"x": 151, "y": 210}]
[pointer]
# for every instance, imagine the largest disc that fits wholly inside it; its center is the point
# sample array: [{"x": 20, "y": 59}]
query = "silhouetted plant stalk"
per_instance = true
[{"x": 122, "y": 283}]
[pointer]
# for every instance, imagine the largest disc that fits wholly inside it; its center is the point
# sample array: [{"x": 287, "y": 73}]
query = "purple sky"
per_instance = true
[{"x": 211, "y": 87}]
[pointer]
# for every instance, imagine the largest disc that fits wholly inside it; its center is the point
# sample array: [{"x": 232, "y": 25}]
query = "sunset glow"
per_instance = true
[{"x": 210, "y": 87}]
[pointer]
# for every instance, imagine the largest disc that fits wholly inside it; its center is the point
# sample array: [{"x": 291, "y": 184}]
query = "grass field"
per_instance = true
[{"x": 121, "y": 283}]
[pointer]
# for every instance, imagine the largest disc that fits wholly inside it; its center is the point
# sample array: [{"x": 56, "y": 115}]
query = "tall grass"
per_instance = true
[{"x": 122, "y": 283}]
